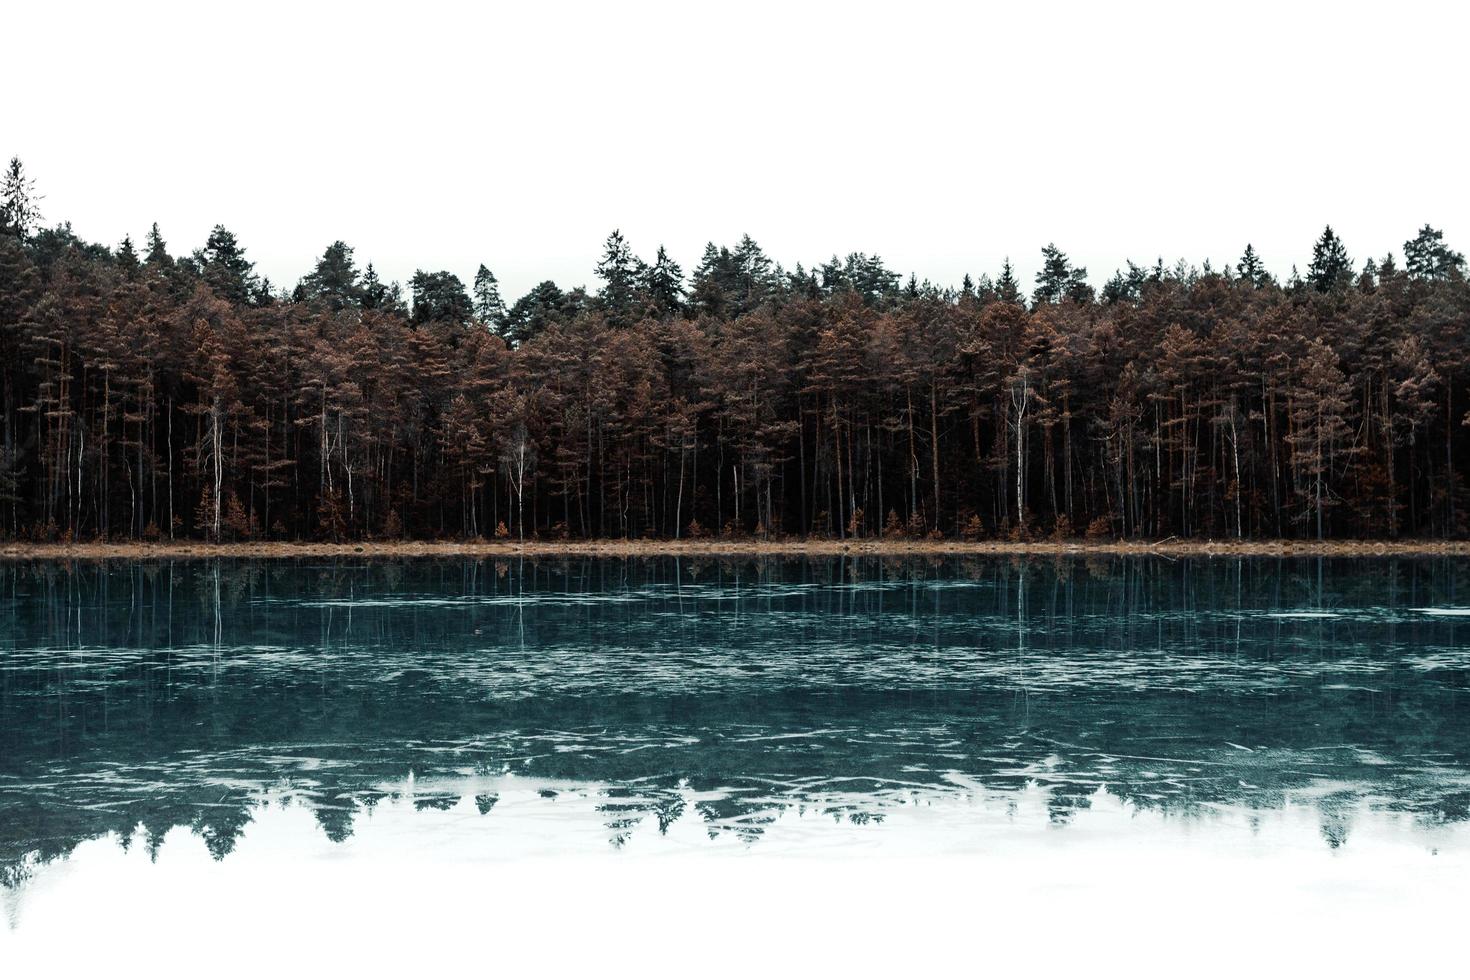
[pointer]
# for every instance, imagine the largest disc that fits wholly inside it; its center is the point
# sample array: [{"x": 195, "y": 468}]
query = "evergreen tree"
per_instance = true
[
  {"x": 1116, "y": 289},
  {"x": 755, "y": 274},
  {"x": 1057, "y": 280},
  {"x": 222, "y": 264},
  {"x": 1251, "y": 269},
  {"x": 439, "y": 297},
  {"x": 489, "y": 307},
  {"x": 377, "y": 295},
  {"x": 1051, "y": 281},
  {"x": 19, "y": 214},
  {"x": 127, "y": 258},
  {"x": 1426, "y": 257},
  {"x": 533, "y": 312},
  {"x": 803, "y": 284},
  {"x": 834, "y": 276},
  {"x": 1007, "y": 287},
  {"x": 710, "y": 285},
  {"x": 1331, "y": 267},
  {"x": 1388, "y": 269},
  {"x": 1125, "y": 287},
  {"x": 663, "y": 284},
  {"x": 984, "y": 290},
  {"x": 334, "y": 281},
  {"x": 618, "y": 271},
  {"x": 874, "y": 280},
  {"x": 157, "y": 248},
  {"x": 862, "y": 274},
  {"x": 266, "y": 293}
]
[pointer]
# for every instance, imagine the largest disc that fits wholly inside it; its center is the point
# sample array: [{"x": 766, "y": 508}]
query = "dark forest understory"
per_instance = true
[{"x": 148, "y": 396}]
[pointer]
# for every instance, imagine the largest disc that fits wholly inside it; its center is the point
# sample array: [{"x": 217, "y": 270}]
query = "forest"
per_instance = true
[{"x": 149, "y": 395}]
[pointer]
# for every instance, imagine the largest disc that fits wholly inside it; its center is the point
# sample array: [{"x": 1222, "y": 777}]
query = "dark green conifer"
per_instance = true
[
  {"x": 223, "y": 266},
  {"x": 489, "y": 307},
  {"x": 334, "y": 281},
  {"x": 1426, "y": 257},
  {"x": 1251, "y": 269},
  {"x": 618, "y": 271},
  {"x": 663, "y": 284},
  {"x": 157, "y": 248},
  {"x": 439, "y": 297},
  {"x": 19, "y": 214},
  {"x": 1331, "y": 267}
]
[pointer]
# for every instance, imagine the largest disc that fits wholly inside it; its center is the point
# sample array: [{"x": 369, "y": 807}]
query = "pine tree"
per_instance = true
[
  {"x": 984, "y": 289},
  {"x": 334, "y": 281},
  {"x": 802, "y": 284},
  {"x": 223, "y": 265},
  {"x": 1115, "y": 290},
  {"x": 1125, "y": 288},
  {"x": 127, "y": 258},
  {"x": 755, "y": 275},
  {"x": 533, "y": 312},
  {"x": 1427, "y": 258},
  {"x": 157, "y": 248},
  {"x": 833, "y": 277},
  {"x": 1007, "y": 287},
  {"x": 1057, "y": 280},
  {"x": 708, "y": 292},
  {"x": 1320, "y": 433},
  {"x": 1051, "y": 281},
  {"x": 19, "y": 214},
  {"x": 663, "y": 284},
  {"x": 1331, "y": 267},
  {"x": 618, "y": 272},
  {"x": 439, "y": 297},
  {"x": 378, "y": 295},
  {"x": 489, "y": 307},
  {"x": 1251, "y": 269}
]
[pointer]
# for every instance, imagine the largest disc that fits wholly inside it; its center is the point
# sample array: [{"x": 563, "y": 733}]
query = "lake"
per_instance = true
[{"x": 365, "y": 745}]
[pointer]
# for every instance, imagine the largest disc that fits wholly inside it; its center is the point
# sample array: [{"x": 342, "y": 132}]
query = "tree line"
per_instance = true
[{"x": 151, "y": 395}]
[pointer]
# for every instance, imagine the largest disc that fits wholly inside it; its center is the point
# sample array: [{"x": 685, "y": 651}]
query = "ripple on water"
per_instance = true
[{"x": 728, "y": 707}]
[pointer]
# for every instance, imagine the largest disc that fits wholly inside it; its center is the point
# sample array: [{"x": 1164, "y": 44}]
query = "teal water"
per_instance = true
[{"x": 138, "y": 700}]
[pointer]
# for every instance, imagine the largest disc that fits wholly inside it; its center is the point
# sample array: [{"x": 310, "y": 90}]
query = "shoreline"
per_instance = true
[{"x": 715, "y": 548}]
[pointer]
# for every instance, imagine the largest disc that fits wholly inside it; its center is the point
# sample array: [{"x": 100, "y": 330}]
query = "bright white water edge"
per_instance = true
[{"x": 969, "y": 879}]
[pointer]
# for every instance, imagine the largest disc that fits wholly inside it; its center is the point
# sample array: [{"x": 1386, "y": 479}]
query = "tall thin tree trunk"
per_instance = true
[{"x": 934, "y": 445}]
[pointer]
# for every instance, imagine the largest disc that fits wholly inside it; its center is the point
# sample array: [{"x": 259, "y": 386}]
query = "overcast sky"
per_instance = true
[{"x": 942, "y": 138}]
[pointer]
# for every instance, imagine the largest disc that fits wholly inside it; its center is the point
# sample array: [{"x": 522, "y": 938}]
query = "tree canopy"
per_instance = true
[{"x": 147, "y": 396}]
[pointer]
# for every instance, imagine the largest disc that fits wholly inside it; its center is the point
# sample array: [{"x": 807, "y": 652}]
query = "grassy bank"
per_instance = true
[{"x": 707, "y": 546}]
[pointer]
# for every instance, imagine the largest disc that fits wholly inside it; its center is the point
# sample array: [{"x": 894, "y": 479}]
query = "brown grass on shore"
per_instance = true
[{"x": 704, "y": 547}]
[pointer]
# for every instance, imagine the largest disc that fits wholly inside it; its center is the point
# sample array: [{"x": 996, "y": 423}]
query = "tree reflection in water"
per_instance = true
[{"x": 184, "y": 694}]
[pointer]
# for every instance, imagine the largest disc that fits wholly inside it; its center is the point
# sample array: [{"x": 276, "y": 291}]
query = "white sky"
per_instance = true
[{"x": 941, "y": 137}]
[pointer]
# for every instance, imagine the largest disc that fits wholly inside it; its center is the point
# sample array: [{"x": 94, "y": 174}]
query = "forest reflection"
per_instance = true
[{"x": 140, "y": 697}]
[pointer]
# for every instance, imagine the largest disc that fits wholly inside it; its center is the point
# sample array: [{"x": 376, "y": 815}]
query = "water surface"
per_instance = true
[{"x": 489, "y": 711}]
